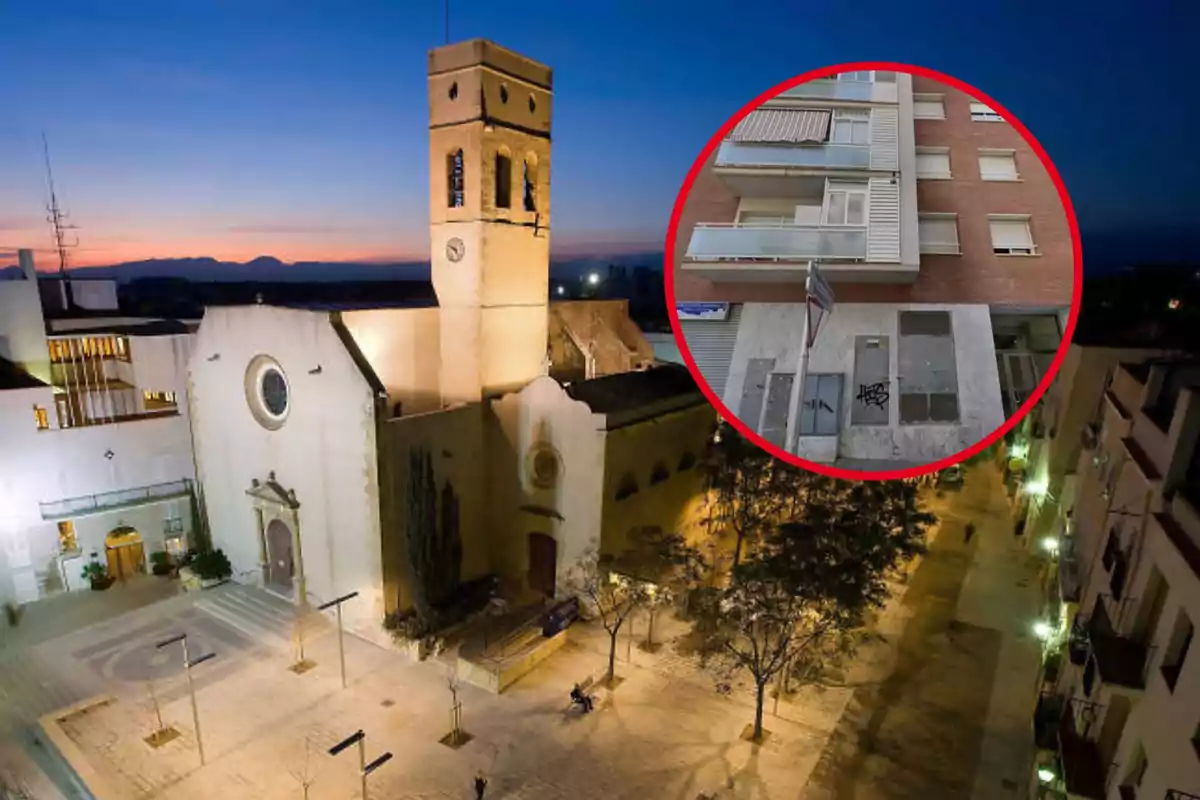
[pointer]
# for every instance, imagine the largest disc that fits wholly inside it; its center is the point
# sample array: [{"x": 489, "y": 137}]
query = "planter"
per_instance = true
[{"x": 100, "y": 584}]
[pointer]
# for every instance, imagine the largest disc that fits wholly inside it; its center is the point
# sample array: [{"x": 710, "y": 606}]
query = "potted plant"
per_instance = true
[
  {"x": 97, "y": 574},
  {"x": 161, "y": 563},
  {"x": 212, "y": 567}
]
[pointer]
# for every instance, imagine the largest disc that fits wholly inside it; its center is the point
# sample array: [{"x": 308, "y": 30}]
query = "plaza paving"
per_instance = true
[{"x": 940, "y": 708}]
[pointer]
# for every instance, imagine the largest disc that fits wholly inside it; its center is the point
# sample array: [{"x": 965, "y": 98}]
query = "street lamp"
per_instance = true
[
  {"x": 364, "y": 769},
  {"x": 593, "y": 279},
  {"x": 1042, "y": 630},
  {"x": 337, "y": 603},
  {"x": 1050, "y": 544},
  {"x": 1046, "y": 776},
  {"x": 188, "y": 663}
]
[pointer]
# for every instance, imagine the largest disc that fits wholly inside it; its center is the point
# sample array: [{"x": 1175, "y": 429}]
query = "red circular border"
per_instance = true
[{"x": 824, "y": 469}]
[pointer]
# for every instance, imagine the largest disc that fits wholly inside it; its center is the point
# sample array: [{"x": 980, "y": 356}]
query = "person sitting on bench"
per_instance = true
[{"x": 581, "y": 699}]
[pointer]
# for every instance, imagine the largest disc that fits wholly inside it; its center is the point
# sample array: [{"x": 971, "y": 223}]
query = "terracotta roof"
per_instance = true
[{"x": 627, "y": 391}]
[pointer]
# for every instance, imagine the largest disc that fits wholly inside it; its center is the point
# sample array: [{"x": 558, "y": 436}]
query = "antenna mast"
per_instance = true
[{"x": 57, "y": 218}]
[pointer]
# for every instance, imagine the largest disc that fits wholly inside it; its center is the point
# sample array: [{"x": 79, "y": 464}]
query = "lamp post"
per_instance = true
[
  {"x": 188, "y": 663},
  {"x": 337, "y": 603},
  {"x": 364, "y": 769}
]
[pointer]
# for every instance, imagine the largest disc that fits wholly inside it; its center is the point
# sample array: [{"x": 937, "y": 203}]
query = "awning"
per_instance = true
[{"x": 784, "y": 125}]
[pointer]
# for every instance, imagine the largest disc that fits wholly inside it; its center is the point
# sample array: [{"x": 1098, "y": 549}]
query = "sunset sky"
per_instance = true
[{"x": 237, "y": 129}]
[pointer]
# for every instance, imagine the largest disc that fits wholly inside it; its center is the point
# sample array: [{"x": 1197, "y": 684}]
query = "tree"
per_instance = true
[
  {"x": 812, "y": 581},
  {"x": 665, "y": 563},
  {"x": 613, "y": 596},
  {"x": 434, "y": 550},
  {"x": 748, "y": 489}
]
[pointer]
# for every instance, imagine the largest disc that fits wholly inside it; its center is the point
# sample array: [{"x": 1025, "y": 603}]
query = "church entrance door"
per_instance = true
[
  {"x": 543, "y": 563},
  {"x": 280, "y": 563}
]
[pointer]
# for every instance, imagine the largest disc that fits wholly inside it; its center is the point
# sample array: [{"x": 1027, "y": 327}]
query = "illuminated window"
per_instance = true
[
  {"x": 67, "y": 543},
  {"x": 503, "y": 181},
  {"x": 43, "y": 421},
  {"x": 455, "y": 182},
  {"x": 122, "y": 348}
]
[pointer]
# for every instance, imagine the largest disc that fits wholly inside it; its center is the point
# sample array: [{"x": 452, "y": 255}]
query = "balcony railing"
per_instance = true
[
  {"x": 776, "y": 242},
  {"x": 1070, "y": 575},
  {"x": 807, "y": 156},
  {"x": 1084, "y": 770},
  {"x": 1119, "y": 660},
  {"x": 831, "y": 90},
  {"x": 106, "y": 501}
]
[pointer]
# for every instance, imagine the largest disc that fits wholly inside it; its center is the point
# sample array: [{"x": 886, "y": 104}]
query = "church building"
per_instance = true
[{"x": 549, "y": 427}]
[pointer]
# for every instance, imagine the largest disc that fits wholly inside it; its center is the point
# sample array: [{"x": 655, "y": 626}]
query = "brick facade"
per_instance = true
[{"x": 976, "y": 276}]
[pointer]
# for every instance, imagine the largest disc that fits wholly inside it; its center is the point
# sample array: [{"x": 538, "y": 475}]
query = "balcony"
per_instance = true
[
  {"x": 1082, "y": 765},
  {"x": 1120, "y": 660},
  {"x": 793, "y": 156},
  {"x": 832, "y": 90},
  {"x": 108, "y": 501},
  {"x": 734, "y": 242},
  {"x": 1070, "y": 574}
]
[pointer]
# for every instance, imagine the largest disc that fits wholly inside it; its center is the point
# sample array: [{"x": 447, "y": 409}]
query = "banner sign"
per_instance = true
[{"x": 702, "y": 311}]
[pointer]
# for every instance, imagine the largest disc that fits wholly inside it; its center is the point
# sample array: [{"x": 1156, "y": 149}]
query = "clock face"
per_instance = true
[{"x": 455, "y": 249}]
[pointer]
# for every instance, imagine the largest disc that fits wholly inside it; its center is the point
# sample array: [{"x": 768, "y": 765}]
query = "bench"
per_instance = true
[{"x": 584, "y": 685}]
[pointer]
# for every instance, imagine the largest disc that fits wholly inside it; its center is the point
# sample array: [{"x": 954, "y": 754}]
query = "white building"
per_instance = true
[
  {"x": 95, "y": 445},
  {"x": 1123, "y": 719},
  {"x": 543, "y": 422}
]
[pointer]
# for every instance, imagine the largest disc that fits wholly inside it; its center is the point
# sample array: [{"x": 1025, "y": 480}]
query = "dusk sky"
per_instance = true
[{"x": 298, "y": 130}]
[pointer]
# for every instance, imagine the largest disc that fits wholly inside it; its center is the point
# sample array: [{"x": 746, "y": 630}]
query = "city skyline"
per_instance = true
[{"x": 187, "y": 134}]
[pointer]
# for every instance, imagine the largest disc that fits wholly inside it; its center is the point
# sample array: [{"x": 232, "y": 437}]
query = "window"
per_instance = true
[
  {"x": 686, "y": 462},
  {"x": 928, "y": 106},
  {"x": 998, "y": 165},
  {"x": 851, "y": 127},
  {"x": 981, "y": 113},
  {"x": 861, "y": 76},
  {"x": 933, "y": 163},
  {"x": 938, "y": 234},
  {"x": 173, "y": 525},
  {"x": 123, "y": 347},
  {"x": 454, "y": 180},
  {"x": 820, "y": 414},
  {"x": 1011, "y": 236},
  {"x": 846, "y": 204},
  {"x": 627, "y": 487},
  {"x": 43, "y": 420},
  {"x": 529, "y": 181},
  {"x": 67, "y": 543},
  {"x": 660, "y": 473},
  {"x": 1177, "y": 650},
  {"x": 928, "y": 375},
  {"x": 503, "y": 181}
]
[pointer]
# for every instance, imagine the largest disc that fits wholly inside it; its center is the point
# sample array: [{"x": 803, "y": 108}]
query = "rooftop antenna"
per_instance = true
[{"x": 57, "y": 218}]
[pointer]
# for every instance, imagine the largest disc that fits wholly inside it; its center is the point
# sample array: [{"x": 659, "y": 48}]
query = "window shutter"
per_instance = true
[
  {"x": 1010, "y": 233},
  {"x": 938, "y": 234},
  {"x": 933, "y": 164},
  {"x": 929, "y": 109},
  {"x": 997, "y": 167}
]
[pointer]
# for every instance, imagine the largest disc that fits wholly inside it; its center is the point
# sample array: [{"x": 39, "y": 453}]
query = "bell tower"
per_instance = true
[{"x": 489, "y": 215}]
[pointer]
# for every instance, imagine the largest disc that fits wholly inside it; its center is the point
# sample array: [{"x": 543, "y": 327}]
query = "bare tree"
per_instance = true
[
  {"x": 304, "y": 775},
  {"x": 612, "y": 595}
]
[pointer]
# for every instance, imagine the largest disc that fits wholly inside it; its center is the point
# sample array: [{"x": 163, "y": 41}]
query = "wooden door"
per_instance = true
[{"x": 543, "y": 563}]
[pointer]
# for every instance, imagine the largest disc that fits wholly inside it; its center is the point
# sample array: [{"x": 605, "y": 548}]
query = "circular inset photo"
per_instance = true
[{"x": 873, "y": 271}]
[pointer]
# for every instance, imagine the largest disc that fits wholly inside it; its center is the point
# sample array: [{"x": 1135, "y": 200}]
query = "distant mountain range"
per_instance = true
[{"x": 270, "y": 269}]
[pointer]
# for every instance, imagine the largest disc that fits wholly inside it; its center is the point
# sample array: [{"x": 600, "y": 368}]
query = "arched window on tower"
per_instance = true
[
  {"x": 530, "y": 187},
  {"x": 503, "y": 180},
  {"x": 456, "y": 196}
]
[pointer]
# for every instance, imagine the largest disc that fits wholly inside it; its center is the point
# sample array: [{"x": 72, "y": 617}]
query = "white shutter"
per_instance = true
[
  {"x": 885, "y": 139},
  {"x": 933, "y": 164},
  {"x": 928, "y": 107},
  {"x": 997, "y": 166},
  {"x": 883, "y": 227},
  {"x": 938, "y": 235},
  {"x": 1011, "y": 233}
]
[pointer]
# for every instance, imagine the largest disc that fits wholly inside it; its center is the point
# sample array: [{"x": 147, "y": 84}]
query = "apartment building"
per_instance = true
[
  {"x": 1121, "y": 715},
  {"x": 95, "y": 446},
  {"x": 942, "y": 236}
]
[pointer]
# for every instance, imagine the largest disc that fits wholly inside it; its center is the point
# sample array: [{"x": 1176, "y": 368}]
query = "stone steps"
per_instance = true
[{"x": 264, "y": 619}]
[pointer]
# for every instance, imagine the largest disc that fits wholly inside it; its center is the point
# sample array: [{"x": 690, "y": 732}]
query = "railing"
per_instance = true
[
  {"x": 831, "y": 90},
  {"x": 841, "y": 156},
  {"x": 776, "y": 242},
  {"x": 93, "y": 503}
]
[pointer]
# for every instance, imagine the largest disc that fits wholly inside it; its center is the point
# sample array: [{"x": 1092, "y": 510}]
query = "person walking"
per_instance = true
[{"x": 480, "y": 786}]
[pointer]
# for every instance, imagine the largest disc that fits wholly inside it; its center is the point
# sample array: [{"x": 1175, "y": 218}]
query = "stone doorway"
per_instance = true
[
  {"x": 280, "y": 568},
  {"x": 543, "y": 564}
]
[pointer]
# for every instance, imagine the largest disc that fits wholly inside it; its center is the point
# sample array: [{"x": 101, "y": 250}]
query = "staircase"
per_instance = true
[{"x": 259, "y": 616}]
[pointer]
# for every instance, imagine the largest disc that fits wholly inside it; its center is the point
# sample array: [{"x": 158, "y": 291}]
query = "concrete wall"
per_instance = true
[
  {"x": 325, "y": 451},
  {"x": 542, "y": 415},
  {"x": 773, "y": 330},
  {"x": 159, "y": 364},
  {"x": 637, "y": 450},
  {"x": 22, "y": 330},
  {"x": 396, "y": 344}
]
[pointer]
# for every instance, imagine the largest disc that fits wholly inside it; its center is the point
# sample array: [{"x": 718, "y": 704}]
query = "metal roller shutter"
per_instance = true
[{"x": 711, "y": 344}]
